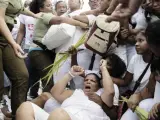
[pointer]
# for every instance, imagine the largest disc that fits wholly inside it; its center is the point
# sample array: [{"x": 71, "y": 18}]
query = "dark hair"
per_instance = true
[
  {"x": 155, "y": 65},
  {"x": 35, "y": 5},
  {"x": 153, "y": 33},
  {"x": 97, "y": 78},
  {"x": 117, "y": 64},
  {"x": 58, "y": 3}
]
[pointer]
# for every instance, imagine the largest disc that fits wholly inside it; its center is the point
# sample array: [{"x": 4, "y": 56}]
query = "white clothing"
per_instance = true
[
  {"x": 6, "y": 80},
  {"x": 83, "y": 108},
  {"x": 136, "y": 67},
  {"x": 78, "y": 107},
  {"x": 139, "y": 19},
  {"x": 91, "y": 19},
  {"x": 83, "y": 57},
  {"x": 121, "y": 52},
  {"x": 146, "y": 104},
  {"x": 116, "y": 96},
  {"x": 29, "y": 23},
  {"x": 157, "y": 93},
  {"x": 15, "y": 29},
  {"x": 131, "y": 51},
  {"x": 39, "y": 113},
  {"x": 52, "y": 104}
]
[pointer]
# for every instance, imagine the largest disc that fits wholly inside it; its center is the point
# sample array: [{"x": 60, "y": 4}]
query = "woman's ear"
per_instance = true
[{"x": 41, "y": 10}]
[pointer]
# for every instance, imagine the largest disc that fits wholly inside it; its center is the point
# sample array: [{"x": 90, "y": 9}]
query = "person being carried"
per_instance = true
[{"x": 83, "y": 108}]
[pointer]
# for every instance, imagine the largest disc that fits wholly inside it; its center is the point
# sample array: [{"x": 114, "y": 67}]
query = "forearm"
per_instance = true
[
  {"x": 112, "y": 6},
  {"x": 71, "y": 21},
  {"x": 4, "y": 30},
  {"x": 108, "y": 94},
  {"x": 134, "y": 5},
  {"x": 60, "y": 86},
  {"x": 21, "y": 34},
  {"x": 92, "y": 12},
  {"x": 81, "y": 18},
  {"x": 28, "y": 13}
]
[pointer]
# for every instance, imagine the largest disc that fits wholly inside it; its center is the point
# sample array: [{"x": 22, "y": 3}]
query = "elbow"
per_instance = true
[{"x": 56, "y": 20}]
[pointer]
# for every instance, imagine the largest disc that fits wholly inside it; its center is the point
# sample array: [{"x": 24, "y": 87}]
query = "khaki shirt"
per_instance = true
[
  {"x": 13, "y": 8},
  {"x": 42, "y": 25}
]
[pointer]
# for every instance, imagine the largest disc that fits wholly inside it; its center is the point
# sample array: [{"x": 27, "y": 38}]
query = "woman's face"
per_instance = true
[
  {"x": 153, "y": 4},
  {"x": 90, "y": 83},
  {"x": 94, "y": 4},
  {"x": 141, "y": 43},
  {"x": 47, "y": 6}
]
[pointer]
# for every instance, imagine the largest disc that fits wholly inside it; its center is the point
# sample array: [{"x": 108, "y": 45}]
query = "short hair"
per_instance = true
[
  {"x": 58, "y": 3},
  {"x": 97, "y": 78},
  {"x": 155, "y": 65},
  {"x": 117, "y": 64},
  {"x": 35, "y": 5},
  {"x": 153, "y": 33}
]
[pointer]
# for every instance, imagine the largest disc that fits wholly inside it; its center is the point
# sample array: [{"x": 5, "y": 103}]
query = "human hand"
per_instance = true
[
  {"x": 133, "y": 101},
  {"x": 119, "y": 14},
  {"x": 83, "y": 25},
  {"x": 77, "y": 70},
  {"x": 18, "y": 51},
  {"x": 94, "y": 97},
  {"x": 153, "y": 114},
  {"x": 103, "y": 64},
  {"x": 124, "y": 33}
]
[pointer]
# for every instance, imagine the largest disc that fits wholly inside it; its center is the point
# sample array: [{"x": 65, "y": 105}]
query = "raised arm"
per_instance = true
[
  {"x": 58, "y": 91},
  {"x": 29, "y": 13},
  {"x": 108, "y": 94}
]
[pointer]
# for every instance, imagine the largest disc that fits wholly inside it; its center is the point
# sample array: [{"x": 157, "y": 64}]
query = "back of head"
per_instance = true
[
  {"x": 153, "y": 33},
  {"x": 118, "y": 67},
  {"x": 35, "y": 5}
]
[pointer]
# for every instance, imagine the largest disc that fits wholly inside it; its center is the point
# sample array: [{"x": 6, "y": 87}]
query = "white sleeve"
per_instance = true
[
  {"x": 91, "y": 19},
  {"x": 116, "y": 96},
  {"x": 131, "y": 65},
  {"x": 21, "y": 18},
  {"x": 141, "y": 22}
]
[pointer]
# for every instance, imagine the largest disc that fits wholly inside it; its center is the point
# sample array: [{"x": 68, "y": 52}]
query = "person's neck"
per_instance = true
[{"x": 147, "y": 56}]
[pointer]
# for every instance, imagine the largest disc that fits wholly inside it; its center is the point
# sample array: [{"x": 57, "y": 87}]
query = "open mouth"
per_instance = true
[{"x": 88, "y": 87}]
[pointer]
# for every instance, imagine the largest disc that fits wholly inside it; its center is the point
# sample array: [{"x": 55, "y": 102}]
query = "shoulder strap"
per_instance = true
[
  {"x": 138, "y": 82},
  {"x": 92, "y": 61},
  {"x": 40, "y": 45}
]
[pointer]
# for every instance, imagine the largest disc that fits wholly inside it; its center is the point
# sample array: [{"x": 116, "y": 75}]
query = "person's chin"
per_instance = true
[{"x": 138, "y": 51}]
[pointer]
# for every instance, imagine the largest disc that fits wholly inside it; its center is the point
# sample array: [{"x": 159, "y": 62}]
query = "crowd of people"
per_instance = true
[{"x": 87, "y": 85}]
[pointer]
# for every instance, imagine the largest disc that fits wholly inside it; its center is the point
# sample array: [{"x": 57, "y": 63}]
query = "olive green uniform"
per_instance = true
[
  {"x": 39, "y": 58},
  {"x": 13, "y": 66}
]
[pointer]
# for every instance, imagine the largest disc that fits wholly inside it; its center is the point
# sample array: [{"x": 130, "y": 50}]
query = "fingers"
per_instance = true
[
  {"x": 119, "y": 7},
  {"x": 153, "y": 112},
  {"x": 131, "y": 106},
  {"x": 20, "y": 50}
]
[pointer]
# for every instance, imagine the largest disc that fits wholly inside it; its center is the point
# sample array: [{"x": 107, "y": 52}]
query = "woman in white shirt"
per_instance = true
[{"x": 137, "y": 65}]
